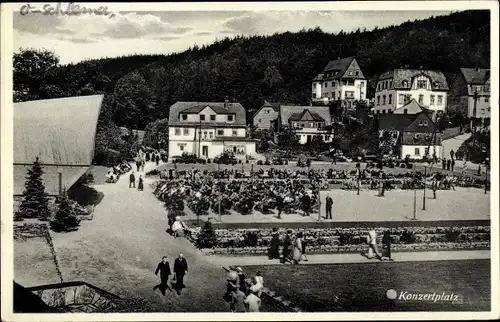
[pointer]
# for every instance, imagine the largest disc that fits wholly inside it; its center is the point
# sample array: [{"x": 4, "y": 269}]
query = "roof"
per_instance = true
[
  {"x": 412, "y": 107},
  {"x": 475, "y": 76},
  {"x": 59, "y": 131},
  {"x": 438, "y": 80},
  {"x": 196, "y": 107},
  {"x": 397, "y": 122},
  {"x": 318, "y": 77},
  {"x": 274, "y": 106},
  {"x": 287, "y": 111},
  {"x": 299, "y": 116},
  {"x": 339, "y": 64}
]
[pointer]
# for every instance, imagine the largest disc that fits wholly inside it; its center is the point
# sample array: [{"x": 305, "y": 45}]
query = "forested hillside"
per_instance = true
[{"x": 252, "y": 69}]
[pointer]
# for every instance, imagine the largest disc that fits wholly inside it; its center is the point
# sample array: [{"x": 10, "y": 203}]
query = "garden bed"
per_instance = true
[{"x": 350, "y": 240}]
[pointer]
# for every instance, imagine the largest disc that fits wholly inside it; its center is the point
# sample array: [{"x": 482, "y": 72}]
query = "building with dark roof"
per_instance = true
[
  {"x": 208, "y": 129},
  {"x": 341, "y": 80},
  {"x": 61, "y": 133},
  {"x": 412, "y": 134},
  {"x": 266, "y": 115},
  {"x": 397, "y": 87},
  {"x": 470, "y": 93},
  {"x": 307, "y": 121}
]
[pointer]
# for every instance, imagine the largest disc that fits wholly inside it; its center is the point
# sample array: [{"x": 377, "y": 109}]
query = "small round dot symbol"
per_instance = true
[{"x": 391, "y": 294}]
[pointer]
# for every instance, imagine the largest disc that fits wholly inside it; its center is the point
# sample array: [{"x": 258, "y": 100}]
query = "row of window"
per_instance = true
[
  {"x": 311, "y": 125},
  {"x": 421, "y": 84},
  {"x": 230, "y": 117},
  {"x": 480, "y": 89},
  {"x": 407, "y": 97},
  {"x": 345, "y": 83},
  {"x": 348, "y": 95},
  {"x": 331, "y": 74},
  {"x": 187, "y": 131}
]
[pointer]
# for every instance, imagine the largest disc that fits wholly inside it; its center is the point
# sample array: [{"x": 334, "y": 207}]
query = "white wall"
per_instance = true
[
  {"x": 415, "y": 93},
  {"x": 303, "y": 133},
  {"x": 410, "y": 150},
  {"x": 207, "y": 111}
]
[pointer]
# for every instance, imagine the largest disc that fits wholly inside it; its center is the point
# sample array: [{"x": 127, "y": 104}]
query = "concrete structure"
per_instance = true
[
  {"x": 208, "y": 130},
  {"x": 397, "y": 87},
  {"x": 341, "y": 80},
  {"x": 307, "y": 121},
  {"x": 413, "y": 134},
  {"x": 266, "y": 115},
  {"x": 61, "y": 133},
  {"x": 471, "y": 84}
]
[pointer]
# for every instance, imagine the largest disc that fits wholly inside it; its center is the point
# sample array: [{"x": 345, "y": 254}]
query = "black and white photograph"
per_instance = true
[{"x": 284, "y": 158}]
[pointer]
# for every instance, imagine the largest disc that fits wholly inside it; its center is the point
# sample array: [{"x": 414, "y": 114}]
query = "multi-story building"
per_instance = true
[
  {"x": 264, "y": 117},
  {"x": 208, "y": 130},
  {"x": 411, "y": 134},
  {"x": 470, "y": 93},
  {"x": 398, "y": 87},
  {"x": 341, "y": 80},
  {"x": 307, "y": 121}
]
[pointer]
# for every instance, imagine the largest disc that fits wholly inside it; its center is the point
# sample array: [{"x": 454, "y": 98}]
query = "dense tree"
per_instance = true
[
  {"x": 66, "y": 218},
  {"x": 32, "y": 70},
  {"x": 155, "y": 132},
  {"x": 252, "y": 69},
  {"x": 134, "y": 101},
  {"x": 35, "y": 201},
  {"x": 288, "y": 138}
]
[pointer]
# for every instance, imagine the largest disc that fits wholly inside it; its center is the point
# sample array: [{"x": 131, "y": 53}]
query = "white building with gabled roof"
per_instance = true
[{"x": 208, "y": 129}]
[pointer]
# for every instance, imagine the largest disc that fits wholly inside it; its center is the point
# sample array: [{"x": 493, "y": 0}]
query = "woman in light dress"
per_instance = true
[
  {"x": 178, "y": 227},
  {"x": 297, "y": 248}
]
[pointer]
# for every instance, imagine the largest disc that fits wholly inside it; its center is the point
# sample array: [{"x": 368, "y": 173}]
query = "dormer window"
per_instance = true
[
  {"x": 184, "y": 117},
  {"x": 350, "y": 73},
  {"x": 436, "y": 84},
  {"x": 230, "y": 118},
  {"x": 405, "y": 83},
  {"x": 357, "y": 73},
  {"x": 422, "y": 84}
]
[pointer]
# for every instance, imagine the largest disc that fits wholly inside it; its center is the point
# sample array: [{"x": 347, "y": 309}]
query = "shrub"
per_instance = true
[
  {"x": 207, "y": 237},
  {"x": 247, "y": 161},
  {"x": 259, "y": 162},
  {"x": 407, "y": 237},
  {"x": 209, "y": 161},
  {"x": 65, "y": 218},
  {"x": 308, "y": 162},
  {"x": 239, "y": 161},
  {"x": 452, "y": 235},
  {"x": 251, "y": 238},
  {"x": 18, "y": 216},
  {"x": 154, "y": 172},
  {"x": 267, "y": 162},
  {"x": 86, "y": 179},
  {"x": 35, "y": 202}
]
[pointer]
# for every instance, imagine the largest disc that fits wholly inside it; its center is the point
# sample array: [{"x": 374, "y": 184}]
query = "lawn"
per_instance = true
[{"x": 363, "y": 287}]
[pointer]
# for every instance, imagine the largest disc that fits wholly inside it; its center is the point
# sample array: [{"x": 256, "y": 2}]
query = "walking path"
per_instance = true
[{"x": 354, "y": 258}]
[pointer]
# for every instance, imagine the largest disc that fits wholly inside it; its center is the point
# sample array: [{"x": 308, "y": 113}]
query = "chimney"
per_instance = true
[{"x": 226, "y": 103}]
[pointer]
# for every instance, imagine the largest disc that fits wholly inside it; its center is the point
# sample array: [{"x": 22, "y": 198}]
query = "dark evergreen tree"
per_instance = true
[
  {"x": 207, "y": 237},
  {"x": 65, "y": 218},
  {"x": 35, "y": 202}
]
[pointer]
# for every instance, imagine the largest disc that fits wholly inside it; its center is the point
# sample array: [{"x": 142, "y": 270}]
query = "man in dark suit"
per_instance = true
[
  {"x": 180, "y": 270},
  {"x": 132, "y": 180},
  {"x": 329, "y": 205},
  {"x": 164, "y": 269}
]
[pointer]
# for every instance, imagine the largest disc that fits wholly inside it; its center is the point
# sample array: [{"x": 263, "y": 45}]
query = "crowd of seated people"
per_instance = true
[{"x": 114, "y": 173}]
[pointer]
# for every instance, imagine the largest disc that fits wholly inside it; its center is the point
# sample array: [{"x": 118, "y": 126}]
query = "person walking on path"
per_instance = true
[
  {"x": 329, "y": 205},
  {"x": 231, "y": 285},
  {"x": 138, "y": 164},
  {"x": 297, "y": 248},
  {"x": 452, "y": 165},
  {"x": 279, "y": 204},
  {"x": 287, "y": 243},
  {"x": 258, "y": 285},
  {"x": 253, "y": 302},
  {"x": 434, "y": 186},
  {"x": 306, "y": 204},
  {"x": 381, "y": 184},
  {"x": 242, "y": 280},
  {"x": 157, "y": 159},
  {"x": 180, "y": 270},
  {"x": 274, "y": 246},
  {"x": 304, "y": 243},
  {"x": 164, "y": 269},
  {"x": 443, "y": 162},
  {"x": 386, "y": 246},
  {"x": 372, "y": 245},
  {"x": 140, "y": 186},
  {"x": 132, "y": 180},
  {"x": 448, "y": 165}
]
